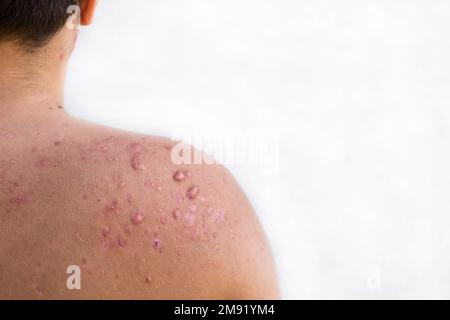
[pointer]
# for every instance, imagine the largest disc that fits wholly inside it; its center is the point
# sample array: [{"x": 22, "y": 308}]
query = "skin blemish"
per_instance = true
[
  {"x": 193, "y": 208},
  {"x": 106, "y": 231},
  {"x": 220, "y": 216},
  {"x": 148, "y": 184},
  {"x": 137, "y": 217},
  {"x": 195, "y": 234},
  {"x": 121, "y": 241},
  {"x": 163, "y": 220},
  {"x": 57, "y": 143},
  {"x": 157, "y": 244},
  {"x": 180, "y": 176},
  {"x": 189, "y": 218},
  {"x": 39, "y": 290},
  {"x": 112, "y": 206},
  {"x": 9, "y": 135},
  {"x": 43, "y": 163},
  {"x": 135, "y": 148},
  {"x": 193, "y": 192},
  {"x": 136, "y": 163},
  {"x": 127, "y": 228},
  {"x": 84, "y": 261},
  {"x": 148, "y": 279},
  {"x": 129, "y": 198},
  {"x": 176, "y": 214},
  {"x": 19, "y": 199}
]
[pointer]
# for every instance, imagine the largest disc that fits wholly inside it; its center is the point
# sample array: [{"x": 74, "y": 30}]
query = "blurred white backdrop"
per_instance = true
[{"x": 354, "y": 95}]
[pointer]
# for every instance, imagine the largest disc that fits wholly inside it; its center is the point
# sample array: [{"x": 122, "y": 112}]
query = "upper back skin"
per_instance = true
[{"x": 114, "y": 204}]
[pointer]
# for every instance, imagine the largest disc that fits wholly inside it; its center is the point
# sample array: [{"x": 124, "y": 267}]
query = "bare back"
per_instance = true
[{"x": 114, "y": 204}]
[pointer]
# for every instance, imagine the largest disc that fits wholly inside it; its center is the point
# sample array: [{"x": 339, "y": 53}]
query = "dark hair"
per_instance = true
[{"x": 32, "y": 22}]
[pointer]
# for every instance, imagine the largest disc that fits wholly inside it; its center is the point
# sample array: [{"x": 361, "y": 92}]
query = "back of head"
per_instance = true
[{"x": 32, "y": 23}]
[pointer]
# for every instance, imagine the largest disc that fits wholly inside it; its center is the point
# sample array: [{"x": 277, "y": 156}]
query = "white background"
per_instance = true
[{"x": 354, "y": 93}]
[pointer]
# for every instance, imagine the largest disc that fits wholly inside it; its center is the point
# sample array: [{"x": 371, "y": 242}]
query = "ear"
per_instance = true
[{"x": 87, "y": 11}]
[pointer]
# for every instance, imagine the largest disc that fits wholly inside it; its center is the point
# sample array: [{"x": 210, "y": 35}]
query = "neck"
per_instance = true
[{"x": 30, "y": 83}]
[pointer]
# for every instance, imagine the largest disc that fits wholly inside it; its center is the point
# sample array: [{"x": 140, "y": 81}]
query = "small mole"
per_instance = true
[
  {"x": 192, "y": 192},
  {"x": 148, "y": 279},
  {"x": 60, "y": 107},
  {"x": 57, "y": 143},
  {"x": 84, "y": 261}
]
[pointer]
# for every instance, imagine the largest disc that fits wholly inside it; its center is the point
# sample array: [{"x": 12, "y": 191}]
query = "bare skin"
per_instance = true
[{"x": 112, "y": 202}]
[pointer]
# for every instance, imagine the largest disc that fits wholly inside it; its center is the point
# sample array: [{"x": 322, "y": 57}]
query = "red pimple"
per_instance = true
[
  {"x": 112, "y": 205},
  {"x": 137, "y": 217},
  {"x": 179, "y": 176},
  {"x": 39, "y": 290},
  {"x": 192, "y": 192},
  {"x": 19, "y": 199}
]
